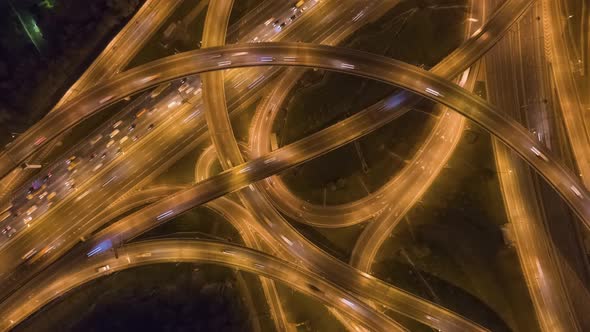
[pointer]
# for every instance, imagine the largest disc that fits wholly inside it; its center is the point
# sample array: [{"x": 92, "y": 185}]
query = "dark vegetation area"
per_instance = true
[{"x": 46, "y": 46}]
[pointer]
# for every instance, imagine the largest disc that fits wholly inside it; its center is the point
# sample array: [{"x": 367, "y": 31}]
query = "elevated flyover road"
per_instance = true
[
  {"x": 166, "y": 143},
  {"x": 417, "y": 174},
  {"x": 20, "y": 306},
  {"x": 126, "y": 44},
  {"x": 151, "y": 74},
  {"x": 355, "y": 62},
  {"x": 116, "y": 55}
]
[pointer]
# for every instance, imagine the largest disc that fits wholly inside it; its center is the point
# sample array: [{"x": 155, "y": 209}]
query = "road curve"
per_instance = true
[
  {"x": 116, "y": 55},
  {"x": 151, "y": 74},
  {"x": 190, "y": 251},
  {"x": 370, "y": 66},
  {"x": 366, "y": 65}
]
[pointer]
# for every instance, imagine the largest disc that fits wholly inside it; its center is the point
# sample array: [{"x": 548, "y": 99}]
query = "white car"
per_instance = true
[{"x": 103, "y": 268}]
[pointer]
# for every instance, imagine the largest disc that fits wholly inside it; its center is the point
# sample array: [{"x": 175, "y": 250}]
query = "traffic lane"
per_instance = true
[
  {"x": 410, "y": 185},
  {"x": 62, "y": 177},
  {"x": 298, "y": 209},
  {"x": 422, "y": 91},
  {"x": 169, "y": 207},
  {"x": 22, "y": 305},
  {"x": 85, "y": 218},
  {"x": 123, "y": 47},
  {"x": 49, "y": 127},
  {"x": 478, "y": 110},
  {"x": 79, "y": 231}
]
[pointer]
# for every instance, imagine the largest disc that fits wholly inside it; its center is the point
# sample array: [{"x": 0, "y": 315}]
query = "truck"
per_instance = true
[
  {"x": 95, "y": 139},
  {"x": 140, "y": 113},
  {"x": 31, "y": 210}
]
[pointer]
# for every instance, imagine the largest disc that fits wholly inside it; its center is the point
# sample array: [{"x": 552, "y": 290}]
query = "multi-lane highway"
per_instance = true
[
  {"x": 521, "y": 97},
  {"x": 358, "y": 60},
  {"x": 133, "y": 160},
  {"x": 153, "y": 252},
  {"x": 437, "y": 148},
  {"x": 162, "y": 129},
  {"x": 116, "y": 55}
]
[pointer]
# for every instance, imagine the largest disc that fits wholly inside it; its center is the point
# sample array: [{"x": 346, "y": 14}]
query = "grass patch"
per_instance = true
[
  {"x": 322, "y": 99},
  {"x": 199, "y": 222},
  {"x": 453, "y": 235},
  {"x": 306, "y": 312},
  {"x": 163, "y": 297}
]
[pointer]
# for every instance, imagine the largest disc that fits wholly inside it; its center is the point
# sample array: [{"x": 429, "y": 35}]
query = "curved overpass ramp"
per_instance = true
[{"x": 165, "y": 251}]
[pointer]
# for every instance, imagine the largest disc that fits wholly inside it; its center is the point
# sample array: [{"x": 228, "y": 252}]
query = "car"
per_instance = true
[
  {"x": 92, "y": 156},
  {"x": 119, "y": 152},
  {"x": 97, "y": 167},
  {"x": 314, "y": 288},
  {"x": 140, "y": 113},
  {"x": 135, "y": 138},
  {"x": 43, "y": 195},
  {"x": 103, "y": 155},
  {"x": 29, "y": 254},
  {"x": 151, "y": 126},
  {"x": 183, "y": 87},
  {"x": 117, "y": 124},
  {"x": 50, "y": 196},
  {"x": 8, "y": 231},
  {"x": 114, "y": 133},
  {"x": 283, "y": 25},
  {"x": 132, "y": 127},
  {"x": 70, "y": 160},
  {"x": 95, "y": 139},
  {"x": 31, "y": 210},
  {"x": 46, "y": 177},
  {"x": 103, "y": 268},
  {"x": 27, "y": 219},
  {"x": 72, "y": 165},
  {"x": 110, "y": 143},
  {"x": 122, "y": 140}
]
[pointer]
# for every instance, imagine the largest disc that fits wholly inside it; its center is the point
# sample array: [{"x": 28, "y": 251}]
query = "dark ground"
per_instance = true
[{"x": 74, "y": 32}]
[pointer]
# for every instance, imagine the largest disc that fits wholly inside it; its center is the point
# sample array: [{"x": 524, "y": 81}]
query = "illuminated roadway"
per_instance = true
[
  {"x": 511, "y": 133},
  {"x": 437, "y": 148},
  {"x": 447, "y": 93},
  {"x": 190, "y": 251},
  {"x": 534, "y": 159},
  {"x": 70, "y": 209},
  {"x": 82, "y": 206},
  {"x": 432, "y": 83},
  {"x": 569, "y": 100},
  {"x": 539, "y": 259},
  {"x": 109, "y": 62},
  {"x": 135, "y": 160}
]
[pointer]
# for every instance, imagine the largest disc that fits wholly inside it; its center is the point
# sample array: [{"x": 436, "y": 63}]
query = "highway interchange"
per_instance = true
[{"x": 195, "y": 102}]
